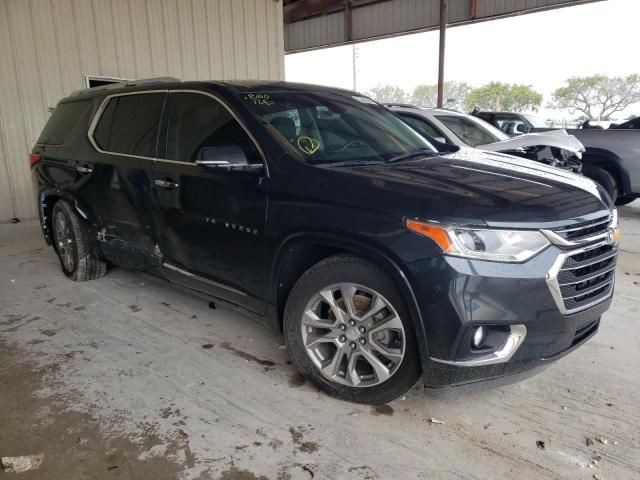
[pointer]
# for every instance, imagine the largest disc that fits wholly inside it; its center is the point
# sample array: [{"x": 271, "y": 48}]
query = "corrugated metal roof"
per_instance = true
[
  {"x": 376, "y": 19},
  {"x": 47, "y": 48}
]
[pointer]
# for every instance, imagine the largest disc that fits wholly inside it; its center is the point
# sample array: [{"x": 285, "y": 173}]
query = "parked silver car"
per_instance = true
[{"x": 554, "y": 148}]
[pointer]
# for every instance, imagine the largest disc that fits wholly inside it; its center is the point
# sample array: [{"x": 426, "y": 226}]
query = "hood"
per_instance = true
[
  {"x": 553, "y": 138},
  {"x": 480, "y": 188}
]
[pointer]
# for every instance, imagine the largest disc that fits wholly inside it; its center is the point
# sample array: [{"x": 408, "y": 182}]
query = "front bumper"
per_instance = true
[{"x": 455, "y": 295}]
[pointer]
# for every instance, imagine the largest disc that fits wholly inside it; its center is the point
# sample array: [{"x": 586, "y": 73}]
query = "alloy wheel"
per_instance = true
[
  {"x": 64, "y": 241},
  {"x": 353, "y": 335}
]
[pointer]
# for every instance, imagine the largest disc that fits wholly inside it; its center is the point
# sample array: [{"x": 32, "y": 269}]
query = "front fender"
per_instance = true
[
  {"x": 611, "y": 162},
  {"x": 378, "y": 254}
]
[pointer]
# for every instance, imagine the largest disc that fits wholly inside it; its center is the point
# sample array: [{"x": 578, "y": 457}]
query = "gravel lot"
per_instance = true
[{"x": 124, "y": 377}]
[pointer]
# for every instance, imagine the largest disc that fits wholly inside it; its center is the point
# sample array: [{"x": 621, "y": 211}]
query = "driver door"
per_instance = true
[{"x": 210, "y": 221}]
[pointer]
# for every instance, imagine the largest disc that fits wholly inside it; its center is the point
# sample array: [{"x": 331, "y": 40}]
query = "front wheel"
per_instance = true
[{"x": 348, "y": 330}]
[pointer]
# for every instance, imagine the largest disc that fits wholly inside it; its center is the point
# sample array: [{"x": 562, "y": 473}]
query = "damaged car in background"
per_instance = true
[{"x": 555, "y": 148}]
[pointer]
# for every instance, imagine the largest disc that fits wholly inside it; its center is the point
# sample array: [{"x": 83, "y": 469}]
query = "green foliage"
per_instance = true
[
  {"x": 454, "y": 95},
  {"x": 388, "y": 94},
  {"x": 498, "y": 96},
  {"x": 597, "y": 96}
]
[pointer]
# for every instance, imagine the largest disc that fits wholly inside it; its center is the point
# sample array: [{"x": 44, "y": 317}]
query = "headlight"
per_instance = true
[{"x": 483, "y": 244}]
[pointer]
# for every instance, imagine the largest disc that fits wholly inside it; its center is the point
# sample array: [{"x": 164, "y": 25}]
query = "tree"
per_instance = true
[
  {"x": 454, "y": 95},
  {"x": 598, "y": 96},
  {"x": 498, "y": 96},
  {"x": 388, "y": 94}
]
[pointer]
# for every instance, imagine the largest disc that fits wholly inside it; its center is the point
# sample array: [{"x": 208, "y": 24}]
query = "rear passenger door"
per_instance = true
[
  {"x": 125, "y": 136},
  {"x": 210, "y": 222}
]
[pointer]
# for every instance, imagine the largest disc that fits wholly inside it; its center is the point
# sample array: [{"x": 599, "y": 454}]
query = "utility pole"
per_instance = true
[
  {"x": 354, "y": 54},
  {"x": 443, "y": 33}
]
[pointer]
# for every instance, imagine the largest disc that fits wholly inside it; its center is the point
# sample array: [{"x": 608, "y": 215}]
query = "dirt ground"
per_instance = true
[{"x": 126, "y": 378}]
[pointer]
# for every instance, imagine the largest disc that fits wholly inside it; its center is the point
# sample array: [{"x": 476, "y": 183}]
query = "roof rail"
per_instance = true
[
  {"x": 405, "y": 105},
  {"x": 152, "y": 80},
  {"x": 127, "y": 83}
]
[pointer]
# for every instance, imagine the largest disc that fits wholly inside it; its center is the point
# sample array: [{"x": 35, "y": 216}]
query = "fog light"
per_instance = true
[{"x": 478, "y": 336}]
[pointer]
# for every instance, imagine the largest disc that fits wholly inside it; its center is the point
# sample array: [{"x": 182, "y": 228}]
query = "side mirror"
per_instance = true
[
  {"x": 522, "y": 128},
  {"x": 440, "y": 139},
  {"x": 227, "y": 157}
]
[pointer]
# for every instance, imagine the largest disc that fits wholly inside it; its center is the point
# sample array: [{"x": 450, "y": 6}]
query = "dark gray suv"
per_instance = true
[{"x": 322, "y": 212}]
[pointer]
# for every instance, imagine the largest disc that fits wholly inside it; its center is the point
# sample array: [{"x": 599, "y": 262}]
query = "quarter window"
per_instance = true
[
  {"x": 200, "y": 128},
  {"x": 129, "y": 124},
  {"x": 63, "y": 121}
]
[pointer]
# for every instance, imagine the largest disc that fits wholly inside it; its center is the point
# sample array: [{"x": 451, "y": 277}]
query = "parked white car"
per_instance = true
[{"x": 554, "y": 147}]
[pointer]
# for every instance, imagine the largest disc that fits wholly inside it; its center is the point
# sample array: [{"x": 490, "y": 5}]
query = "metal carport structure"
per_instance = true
[{"x": 313, "y": 24}]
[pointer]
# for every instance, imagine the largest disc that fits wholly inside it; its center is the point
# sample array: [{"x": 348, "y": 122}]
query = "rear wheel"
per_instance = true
[
  {"x": 71, "y": 241},
  {"x": 604, "y": 178},
  {"x": 347, "y": 330}
]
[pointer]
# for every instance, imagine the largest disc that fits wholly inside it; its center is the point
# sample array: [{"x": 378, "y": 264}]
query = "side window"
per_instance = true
[
  {"x": 63, "y": 120},
  {"x": 423, "y": 127},
  {"x": 200, "y": 128},
  {"x": 508, "y": 123},
  {"x": 129, "y": 124}
]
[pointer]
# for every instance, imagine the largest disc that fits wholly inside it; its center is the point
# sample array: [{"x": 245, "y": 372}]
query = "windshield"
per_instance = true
[
  {"x": 471, "y": 130},
  {"x": 536, "y": 122},
  {"x": 325, "y": 127}
]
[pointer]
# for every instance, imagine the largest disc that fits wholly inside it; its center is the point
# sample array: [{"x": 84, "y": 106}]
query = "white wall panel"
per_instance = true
[{"x": 48, "y": 46}]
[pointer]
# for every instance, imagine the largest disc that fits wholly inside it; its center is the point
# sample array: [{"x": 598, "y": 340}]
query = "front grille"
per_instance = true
[
  {"x": 584, "y": 230},
  {"x": 587, "y": 277}
]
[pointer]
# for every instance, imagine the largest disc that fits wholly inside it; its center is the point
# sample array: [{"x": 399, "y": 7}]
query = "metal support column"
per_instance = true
[{"x": 443, "y": 34}]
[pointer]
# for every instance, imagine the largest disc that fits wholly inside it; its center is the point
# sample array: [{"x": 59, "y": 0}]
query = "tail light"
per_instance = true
[{"x": 33, "y": 159}]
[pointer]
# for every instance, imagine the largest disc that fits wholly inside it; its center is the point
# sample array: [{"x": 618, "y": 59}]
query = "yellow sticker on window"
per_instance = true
[
  {"x": 259, "y": 99},
  {"x": 308, "y": 145}
]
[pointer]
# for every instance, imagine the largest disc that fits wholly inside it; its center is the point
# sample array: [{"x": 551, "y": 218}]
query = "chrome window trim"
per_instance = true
[
  {"x": 98, "y": 116},
  {"x": 554, "y": 285},
  {"x": 236, "y": 118},
  {"x": 501, "y": 355},
  {"x": 105, "y": 101}
]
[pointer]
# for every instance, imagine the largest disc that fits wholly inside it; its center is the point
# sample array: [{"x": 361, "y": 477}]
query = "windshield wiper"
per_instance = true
[
  {"x": 349, "y": 163},
  {"x": 408, "y": 156}
]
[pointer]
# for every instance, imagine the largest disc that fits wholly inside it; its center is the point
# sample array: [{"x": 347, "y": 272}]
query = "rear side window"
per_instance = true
[
  {"x": 200, "y": 128},
  {"x": 129, "y": 124},
  {"x": 63, "y": 121}
]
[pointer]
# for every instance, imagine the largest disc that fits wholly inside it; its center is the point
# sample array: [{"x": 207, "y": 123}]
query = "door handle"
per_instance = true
[
  {"x": 165, "y": 183},
  {"x": 84, "y": 169}
]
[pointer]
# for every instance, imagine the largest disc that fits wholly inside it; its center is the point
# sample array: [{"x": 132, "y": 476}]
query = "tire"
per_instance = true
[
  {"x": 604, "y": 178},
  {"x": 625, "y": 200},
  {"x": 387, "y": 328},
  {"x": 72, "y": 243}
]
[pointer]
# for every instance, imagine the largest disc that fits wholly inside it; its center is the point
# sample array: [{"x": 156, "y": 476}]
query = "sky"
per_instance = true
[{"x": 540, "y": 49}]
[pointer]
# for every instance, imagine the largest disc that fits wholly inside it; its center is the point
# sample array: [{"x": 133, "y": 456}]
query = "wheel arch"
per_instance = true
[
  {"x": 47, "y": 197},
  {"x": 312, "y": 247},
  {"x": 609, "y": 161}
]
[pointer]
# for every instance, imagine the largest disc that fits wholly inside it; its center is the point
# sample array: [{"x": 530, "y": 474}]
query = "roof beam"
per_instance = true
[{"x": 312, "y": 24}]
